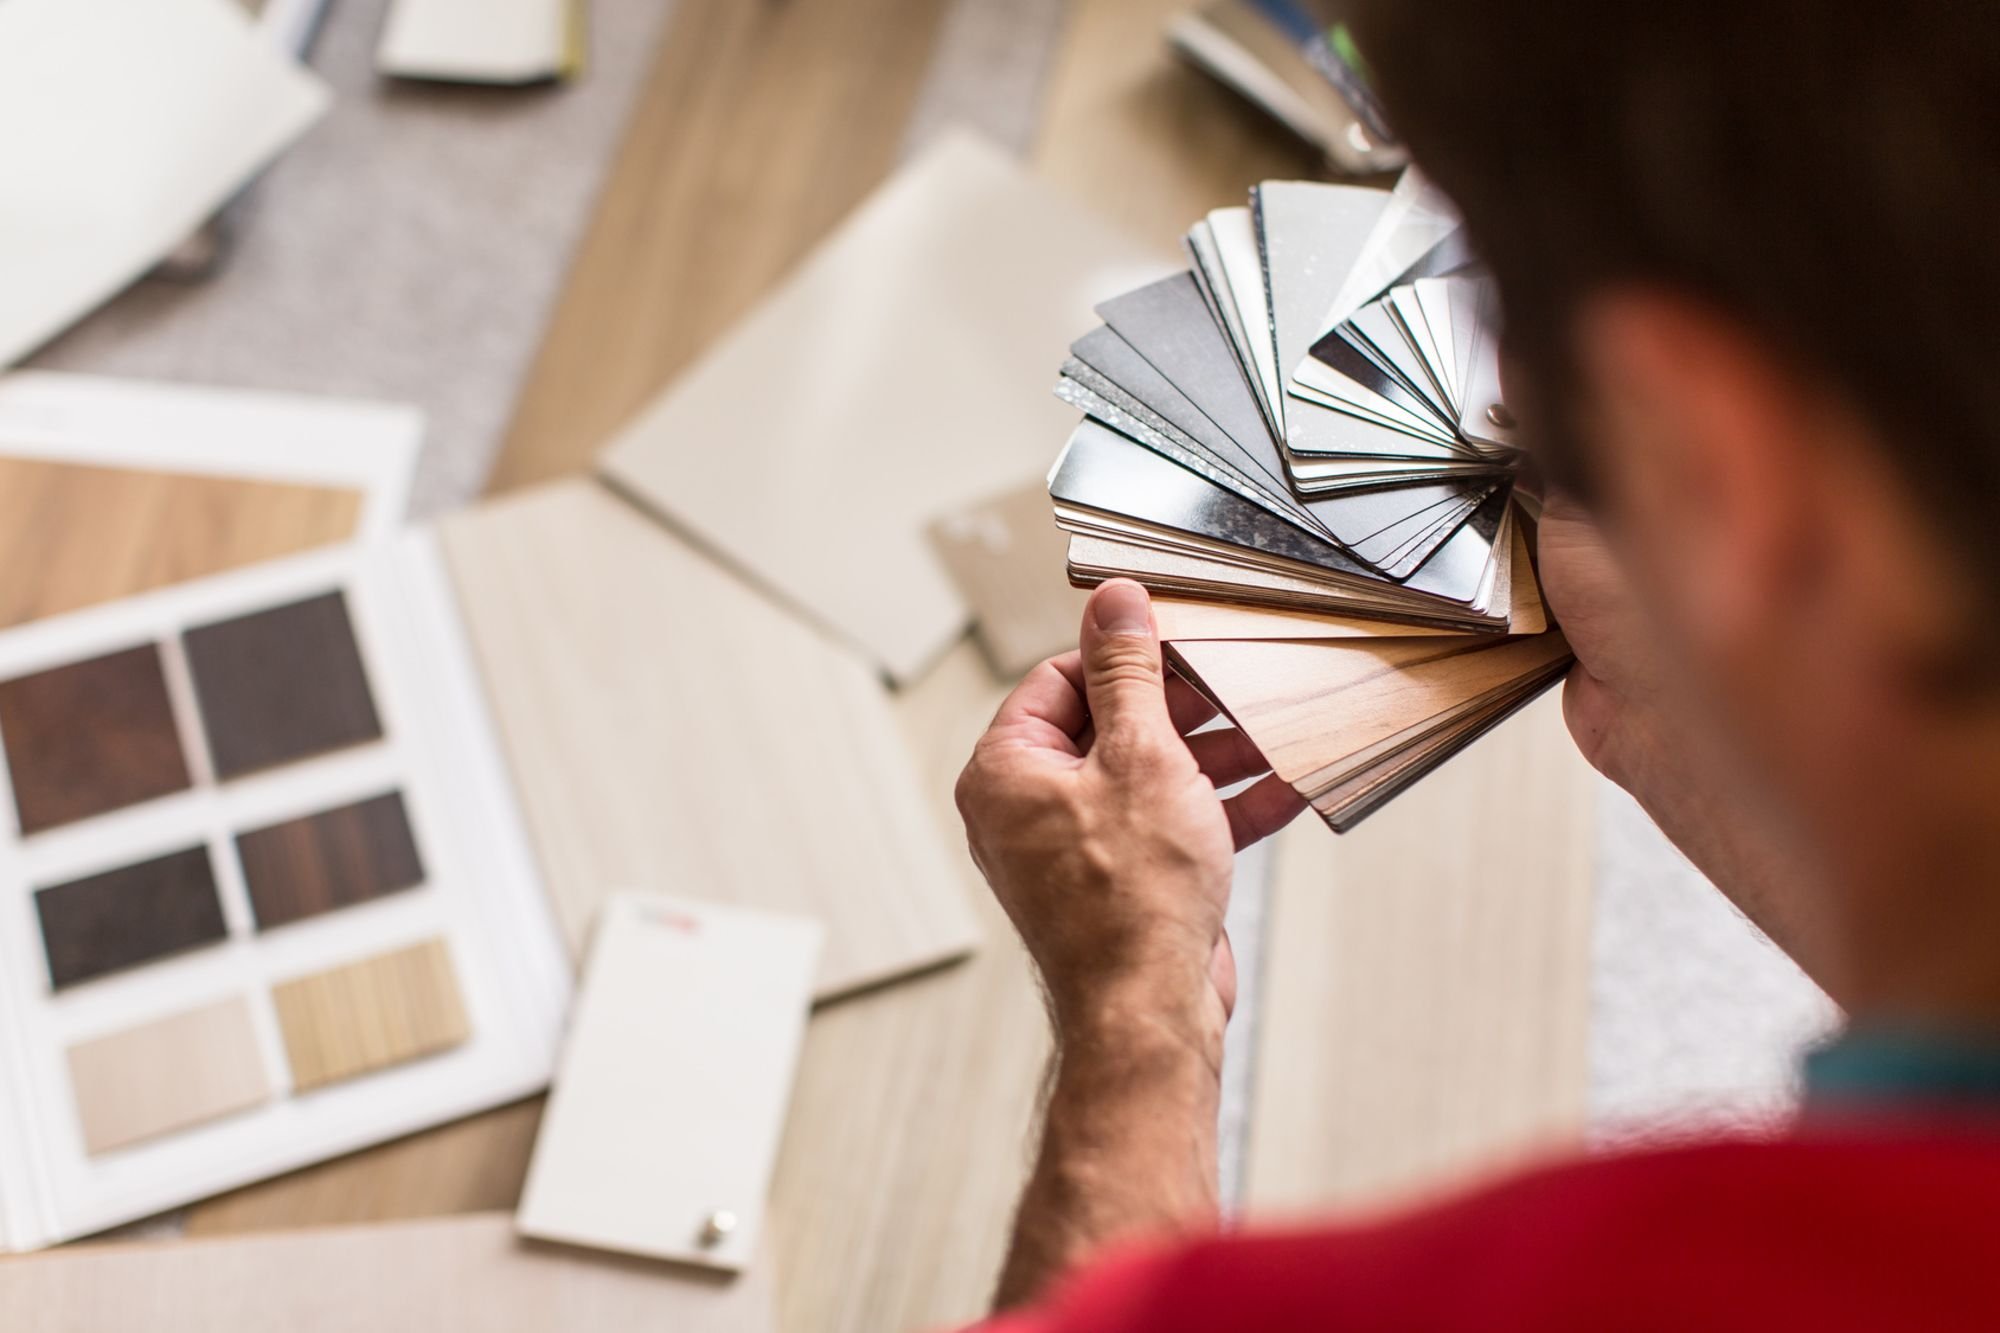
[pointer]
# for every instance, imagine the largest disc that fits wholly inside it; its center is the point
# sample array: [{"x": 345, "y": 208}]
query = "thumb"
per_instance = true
[{"x": 1122, "y": 675}]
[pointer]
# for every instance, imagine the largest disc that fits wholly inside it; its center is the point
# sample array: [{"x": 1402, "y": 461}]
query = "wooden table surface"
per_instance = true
[{"x": 1425, "y": 1008}]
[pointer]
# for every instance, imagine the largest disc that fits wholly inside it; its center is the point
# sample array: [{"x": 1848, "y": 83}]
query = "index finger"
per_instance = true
[{"x": 1045, "y": 708}]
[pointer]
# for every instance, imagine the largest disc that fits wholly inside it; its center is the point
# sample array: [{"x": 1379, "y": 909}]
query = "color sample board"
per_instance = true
[
  {"x": 465, "y": 1272},
  {"x": 670, "y": 727},
  {"x": 663, "y": 1128},
  {"x": 326, "y": 931},
  {"x": 900, "y": 376}
]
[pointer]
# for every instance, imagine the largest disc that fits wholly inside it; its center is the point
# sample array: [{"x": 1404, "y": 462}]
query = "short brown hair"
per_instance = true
[{"x": 1827, "y": 173}]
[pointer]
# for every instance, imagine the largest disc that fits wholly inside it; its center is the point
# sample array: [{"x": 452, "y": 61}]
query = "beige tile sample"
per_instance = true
[
  {"x": 371, "y": 1014},
  {"x": 142, "y": 1082},
  {"x": 467, "y": 1272},
  {"x": 1006, "y": 555},
  {"x": 671, "y": 728},
  {"x": 902, "y": 374},
  {"x": 674, "y": 1082}
]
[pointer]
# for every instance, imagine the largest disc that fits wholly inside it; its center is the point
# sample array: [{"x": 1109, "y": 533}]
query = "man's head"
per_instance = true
[{"x": 1747, "y": 251}]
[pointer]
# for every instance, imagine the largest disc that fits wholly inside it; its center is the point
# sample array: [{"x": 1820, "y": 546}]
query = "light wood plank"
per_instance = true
[
  {"x": 671, "y": 729},
  {"x": 1143, "y": 138},
  {"x": 909, "y": 1135},
  {"x": 74, "y": 536},
  {"x": 761, "y": 126},
  {"x": 470, "y": 1166},
  {"x": 413, "y": 1277},
  {"x": 1426, "y": 1005}
]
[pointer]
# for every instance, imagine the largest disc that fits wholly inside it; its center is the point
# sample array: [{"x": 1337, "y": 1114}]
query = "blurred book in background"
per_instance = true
[{"x": 1291, "y": 59}]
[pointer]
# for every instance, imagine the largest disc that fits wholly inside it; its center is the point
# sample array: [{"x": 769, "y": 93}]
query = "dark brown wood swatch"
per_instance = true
[
  {"x": 324, "y": 862},
  {"x": 89, "y": 737},
  {"x": 128, "y": 916},
  {"x": 281, "y": 685}
]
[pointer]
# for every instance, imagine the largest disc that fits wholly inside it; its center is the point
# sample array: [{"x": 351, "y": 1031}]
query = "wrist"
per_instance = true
[{"x": 1157, "y": 1016}]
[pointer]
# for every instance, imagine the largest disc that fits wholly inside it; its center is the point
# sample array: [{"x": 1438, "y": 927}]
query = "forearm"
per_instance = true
[{"x": 1128, "y": 1139}]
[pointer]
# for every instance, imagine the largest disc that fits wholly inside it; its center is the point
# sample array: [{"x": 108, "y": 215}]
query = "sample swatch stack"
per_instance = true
[{"x": 1300, "y": 446}]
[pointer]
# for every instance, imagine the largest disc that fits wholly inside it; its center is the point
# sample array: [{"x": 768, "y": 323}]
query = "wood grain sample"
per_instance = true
[
  {"x": 131, "y": 915},
  {"x": 90, "y": 737},
  {"x": 1426, "y": 1006},
  {"x": 146, "y": 1081},
  {"x": 281, "y": 685},
  {"x": 95, "y": 534},
  {"x": 320, "y": 863},
  {"x": 669, "y": 728},
  {"x": 466, "y": 1272},
  {"x": 364, "y": 1016}
]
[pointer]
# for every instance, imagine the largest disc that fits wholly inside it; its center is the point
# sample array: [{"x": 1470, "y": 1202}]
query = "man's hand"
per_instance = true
[
  {"x": 1094, "y": 816},
  {"x": 1640, "y": 726}
]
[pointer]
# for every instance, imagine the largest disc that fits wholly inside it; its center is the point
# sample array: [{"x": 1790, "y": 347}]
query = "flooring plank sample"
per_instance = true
[
  {"x": 1454, "y": 970},
  {"x": 320, "y": 863},
  {"x": 281, "y": 685},
  {"x": 670, "y": 728},
  {"x": 121, "y": 918},
  {"x": 369, "y": 1015},
  {"x": 128, "y": 122},
  {"x": 814, "y": 462},
  {"x": 686, "y": 1034},
  {"x": 90, "y": 737},
  {"x": 142, "y": 1082},
  {"x": 405, "y": 1277}
]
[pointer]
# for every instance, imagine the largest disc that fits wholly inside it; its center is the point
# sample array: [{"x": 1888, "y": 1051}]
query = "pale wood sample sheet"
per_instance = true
[
  {"x": 123, "y": 124},
  {"x": 902, "y": 374},
  {"x": 371, "y": 1014},
  {"x": 670, "y": 728},
  {"x": 142, "y": 1082},
  {"x": 467, "y": 1272},
  {"x": 1425, "y": 1009},
  {"x": 664, "y": 1123}
]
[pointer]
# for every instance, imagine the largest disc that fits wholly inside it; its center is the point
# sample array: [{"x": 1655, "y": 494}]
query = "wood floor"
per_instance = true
[{"x": 1425, "y": 1009}]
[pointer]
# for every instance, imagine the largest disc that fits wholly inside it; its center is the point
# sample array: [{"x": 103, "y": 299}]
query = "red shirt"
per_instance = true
[{"x": 1885, "y": 1229}]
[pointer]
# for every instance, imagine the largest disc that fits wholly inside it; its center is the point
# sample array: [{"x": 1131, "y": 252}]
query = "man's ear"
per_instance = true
[{"x": 1704, "y": 449}]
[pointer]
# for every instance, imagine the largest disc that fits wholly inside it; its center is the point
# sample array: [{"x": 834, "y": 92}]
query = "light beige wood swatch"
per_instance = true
[
  {"x": 1006, "y": 556},
  {"x": 670, "y": 728},
  {"x": 465, "y": 1272},
  {"x": 814, "y": 444},
  {"x": 1425, "y": 1008},
  {"x": 146, "y": 1081},
  {"x": 1312, "y": 707},
  {"x": 371, "y": 1014}
]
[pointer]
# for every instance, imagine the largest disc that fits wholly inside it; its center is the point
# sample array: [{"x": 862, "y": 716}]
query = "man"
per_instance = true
[{"x": 1748, "y": 259}]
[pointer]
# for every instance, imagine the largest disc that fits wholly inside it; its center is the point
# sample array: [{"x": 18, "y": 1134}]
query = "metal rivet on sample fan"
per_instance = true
[{"x": 1499, "y": 416}]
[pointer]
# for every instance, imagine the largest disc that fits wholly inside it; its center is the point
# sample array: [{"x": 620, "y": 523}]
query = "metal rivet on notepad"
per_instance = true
[
  {"x": 717, "y": 1227},
  {"x": 1500, "y": 416}
]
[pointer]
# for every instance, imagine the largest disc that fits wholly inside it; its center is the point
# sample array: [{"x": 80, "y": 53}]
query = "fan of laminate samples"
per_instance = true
[{"x": 1300, "y": 447}]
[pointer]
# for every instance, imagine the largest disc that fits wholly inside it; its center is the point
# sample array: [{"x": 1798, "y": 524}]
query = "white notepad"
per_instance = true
[
  {"x": 123, "y": 125},
  {"x": 671, "y": 1092}
]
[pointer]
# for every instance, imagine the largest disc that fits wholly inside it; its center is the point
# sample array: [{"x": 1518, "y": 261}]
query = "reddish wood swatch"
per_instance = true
[
  {"x": 281, "y": 685},
  {"x": 131, "y": 915},
  {"x": 324, "y": 862},
  {"x": 90, "y": 737}
]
